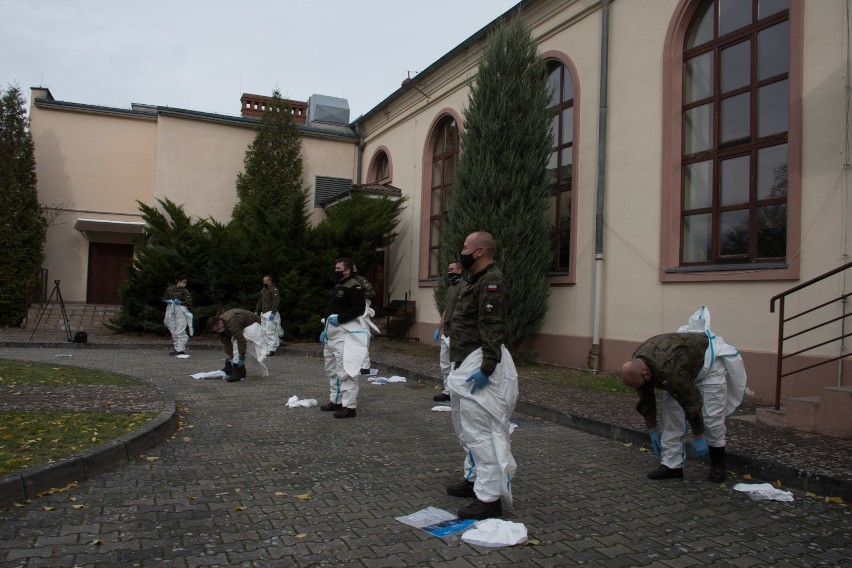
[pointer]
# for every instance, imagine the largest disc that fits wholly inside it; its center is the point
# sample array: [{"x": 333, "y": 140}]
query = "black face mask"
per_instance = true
[
  {"x": 466, "y": 260},
  {"x": 338, "y": 275},
  {"x": 454, "y": 277}
]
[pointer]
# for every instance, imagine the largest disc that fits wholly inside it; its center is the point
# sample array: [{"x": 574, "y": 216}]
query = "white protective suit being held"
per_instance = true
[{"x": 722, "y": 383}]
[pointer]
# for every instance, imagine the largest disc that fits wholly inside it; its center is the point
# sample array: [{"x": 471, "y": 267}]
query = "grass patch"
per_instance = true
[
  {"x": 29, "y": 439},
  {"x": 27, "y": 373},
  {"x": 414, "y": 348}
]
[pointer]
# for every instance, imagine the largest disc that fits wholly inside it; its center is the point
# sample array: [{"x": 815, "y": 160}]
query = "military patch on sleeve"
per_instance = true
[
  {"x": 491, "y": 287},
  {"x": 489, "y": 306}
]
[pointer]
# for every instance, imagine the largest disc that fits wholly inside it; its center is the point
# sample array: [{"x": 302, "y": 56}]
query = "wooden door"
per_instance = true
[{"x": 107, "y": 270}]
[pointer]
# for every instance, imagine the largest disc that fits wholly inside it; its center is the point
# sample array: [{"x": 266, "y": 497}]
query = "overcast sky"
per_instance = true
[{"x": 203, "y": 54}]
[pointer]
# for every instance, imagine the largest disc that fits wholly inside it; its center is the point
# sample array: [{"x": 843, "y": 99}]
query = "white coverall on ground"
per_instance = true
[
  {"x": 346, "y": 352},
  {"x": 481, "y": 421},
  {"x": 272, "y": 330},
  {"x": 722, "y": 383},
  {"x": 256, "y": 347},
  {"x": 178, "y": 319}
]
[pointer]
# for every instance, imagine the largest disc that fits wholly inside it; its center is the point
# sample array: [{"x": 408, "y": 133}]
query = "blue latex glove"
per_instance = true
[
  {"x": 479, "y": 380},
  {"x": 333, "y": 320},
  {"x": 323, "y": 337},
  {"x": 699, "y": 448},
  {"x": 437, "y": 335},
  {"x": 656, "y": 447},
  {"x": 237, "y": 361},
  {"x": 271, "y": 316},
  {"x": 176, "y": 302}
]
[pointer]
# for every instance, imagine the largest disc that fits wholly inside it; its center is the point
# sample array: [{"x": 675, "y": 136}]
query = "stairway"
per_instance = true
[
  {"x": 829, "y": 414},
  {"x": 81, "y": 316}
]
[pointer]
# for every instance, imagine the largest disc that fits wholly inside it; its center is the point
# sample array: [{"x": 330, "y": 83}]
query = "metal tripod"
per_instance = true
[{"x": 62, "y": 308}]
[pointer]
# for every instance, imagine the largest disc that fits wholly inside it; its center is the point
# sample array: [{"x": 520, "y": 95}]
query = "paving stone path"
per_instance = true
[{"x": 230, "y": 489}]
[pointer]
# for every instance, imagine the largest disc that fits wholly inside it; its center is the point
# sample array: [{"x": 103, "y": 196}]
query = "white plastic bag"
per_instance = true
[{"x": 495, "y": 532}]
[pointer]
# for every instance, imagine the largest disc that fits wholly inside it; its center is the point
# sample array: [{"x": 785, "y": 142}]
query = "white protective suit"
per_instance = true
[
  {"x": 722, "y": 383},
  {"x": 481, "y": 422},
  {"x": 346, "y": 352},
  {"x": 178, "y": 320},
  {"x": 256, "y": 347},
  {"x": 272, "y": 330},
  {"x": 444, "y": 360}
]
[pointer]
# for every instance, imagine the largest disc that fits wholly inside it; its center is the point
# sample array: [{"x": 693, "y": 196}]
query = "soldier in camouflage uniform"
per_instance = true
[
  {"x": 346, "y": 340},
  {"x": 442, "y": 332},
  {"x": 483, "y": 382},
  {"x": 267, "y": 310},
  {"x": 700, "y": 385},
  {"x": 178, "y": 317},
  {"x": 230, "y": 326}
]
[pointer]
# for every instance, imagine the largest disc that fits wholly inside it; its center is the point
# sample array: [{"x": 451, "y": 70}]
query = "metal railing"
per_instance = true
[{"x": 783, "y": 319}]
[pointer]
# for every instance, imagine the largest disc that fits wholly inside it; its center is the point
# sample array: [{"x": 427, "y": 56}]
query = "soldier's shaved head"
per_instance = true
[
  {"x": 634, "y": 373},
  {"x": 484, "y": 240}
]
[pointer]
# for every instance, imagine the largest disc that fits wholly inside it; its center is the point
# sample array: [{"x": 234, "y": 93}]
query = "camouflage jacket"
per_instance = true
[
  {"x": 479, "y": 318},
  {"x": 347, "y": 300},
  {"x": 369, "y": 291},
  {"x": 269, "y": 299},
  {"x": 182, "y": 294},
  {"x": 451, "y": 300},
  {"x": 674, "y": 360},
  {"x": 235, "y": 322}
]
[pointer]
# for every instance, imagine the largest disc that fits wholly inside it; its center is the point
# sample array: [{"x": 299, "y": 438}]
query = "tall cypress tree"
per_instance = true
[
  {"x": 23, "y": 226},
  {"x": 501, "y": 184},
  {"x": 272, "y": 176}
]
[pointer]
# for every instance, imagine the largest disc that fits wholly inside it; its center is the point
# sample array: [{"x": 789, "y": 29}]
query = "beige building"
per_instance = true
[{"x": 719, "y": 177}]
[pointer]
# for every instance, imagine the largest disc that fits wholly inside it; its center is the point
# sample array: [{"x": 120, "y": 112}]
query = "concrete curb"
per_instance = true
[{"x": 27, "y": 484}]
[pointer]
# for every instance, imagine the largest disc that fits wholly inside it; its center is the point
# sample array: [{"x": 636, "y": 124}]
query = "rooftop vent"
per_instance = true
[{"x": 330, "y": 110}]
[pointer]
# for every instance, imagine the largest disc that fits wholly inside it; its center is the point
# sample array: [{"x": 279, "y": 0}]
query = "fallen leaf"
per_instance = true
[
  {"x": 644, "y": 449},
  {"x": 532, "y": 542},
  {"x": 97, "y": 542},
  {"x": 280, "y": 494},
  {"x": 747, "y": 476},
  {"x": 151, "y": 458},
  {"x": 186, "y": 439},
  {"x": 191, "y": 498},
  {"x": 628, "y": 444},
  {"x": 240, "y": 508},
  {"x": 49, "y": 508},
  {"x": 809, "y": 494},
  {"x": 17, "y": 504},
  {"x": 301, "y": 535},
  {"x": 274, "y": 469},
  {"x": 776, "y": 484},
  {"x": 79, "y": 507},
  {"x": 304, "y": 496},
  {"x": 838, "y": 500}
]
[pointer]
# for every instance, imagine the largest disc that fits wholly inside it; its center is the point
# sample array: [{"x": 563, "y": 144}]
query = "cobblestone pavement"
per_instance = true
[{"x": 229, "y": 489}]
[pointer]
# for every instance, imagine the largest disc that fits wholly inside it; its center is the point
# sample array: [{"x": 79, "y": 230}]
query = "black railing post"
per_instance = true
[{"x": 779, "y": 356}]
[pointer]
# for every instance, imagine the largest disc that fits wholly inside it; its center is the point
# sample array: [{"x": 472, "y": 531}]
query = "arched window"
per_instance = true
[
  {"x": 380, "y": 168},
  {"x": 735, "y": 111},
  {"x": 560, "y": 167},
  {"x": 445, "y": 152}
]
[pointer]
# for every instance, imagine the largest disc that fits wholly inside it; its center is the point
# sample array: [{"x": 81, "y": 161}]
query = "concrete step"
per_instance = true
[
  {"x": 80, "y": 316},
  {"x": 829, "y": 414}
]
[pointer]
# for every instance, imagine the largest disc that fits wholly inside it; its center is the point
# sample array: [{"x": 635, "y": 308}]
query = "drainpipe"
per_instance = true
[
  {"x": 360, "y": 153},
  {"x": 594, "y": 359},
  {"x": 846, "y": 166}
]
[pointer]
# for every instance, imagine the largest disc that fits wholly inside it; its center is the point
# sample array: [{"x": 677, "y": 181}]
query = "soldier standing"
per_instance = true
[
  {"x": 442, "y": 332},
  {"x": 346, "y": 340},
  {"x": 178, "y": 318},
  {"x": 483, "y": 383},
  {"x": 267, "y": 311}
]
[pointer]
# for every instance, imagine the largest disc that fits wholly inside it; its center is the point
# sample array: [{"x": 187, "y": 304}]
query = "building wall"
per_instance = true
[
  {"x": 90, "y": 166},
  {"x": 637, "y": 303}
]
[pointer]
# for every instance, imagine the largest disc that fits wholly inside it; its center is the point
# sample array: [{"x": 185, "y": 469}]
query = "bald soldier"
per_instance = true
[
  {"x": 483, "y": 382},
  {"x": 703, "y": 380}
]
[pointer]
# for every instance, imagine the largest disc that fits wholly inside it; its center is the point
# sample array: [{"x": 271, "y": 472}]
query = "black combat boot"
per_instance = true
[
  {"x": 329, "y": 406},
  {"x": 463, "y": 488},
  {"x": 717, "y": 464},
  {"x": 664, "y": 472},
  {"x": 228, "y": 368},
  {"x": 481, "y": 510}
]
